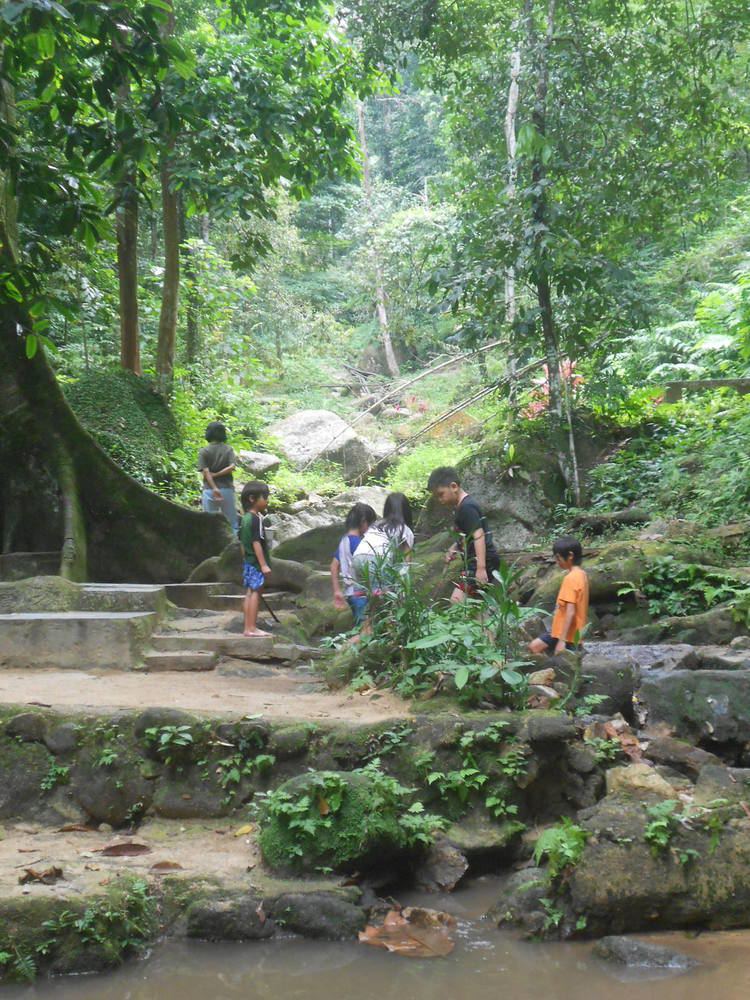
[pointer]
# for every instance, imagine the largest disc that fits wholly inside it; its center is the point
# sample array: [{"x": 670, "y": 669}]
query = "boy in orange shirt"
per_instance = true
[{"x": 572, "y": 609}]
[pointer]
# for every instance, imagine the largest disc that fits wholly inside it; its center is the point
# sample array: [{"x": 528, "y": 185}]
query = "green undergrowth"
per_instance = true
[
  {"x": 676, "y": 588},
  {"x": 691, "y": 460},
  {"x": 331, "y": 820},
  {"x": 80, "y": 935}
]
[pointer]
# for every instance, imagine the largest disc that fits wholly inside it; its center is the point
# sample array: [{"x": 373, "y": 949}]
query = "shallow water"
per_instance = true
[{"x": 486, "y": 964}]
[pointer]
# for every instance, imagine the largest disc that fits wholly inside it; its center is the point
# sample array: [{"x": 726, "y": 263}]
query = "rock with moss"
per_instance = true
[
  {"x": 718, "y": 626},
  {"x": 111, "y": 788},
  {"x": 334, "y": 916},
  {"x": 696, "y": 875},
  {"x": 39, "y": 594},
  {"x": 342, "y": 821},
  {"x": 706, "y": 706},
  {"x": 236, "y": 917}
]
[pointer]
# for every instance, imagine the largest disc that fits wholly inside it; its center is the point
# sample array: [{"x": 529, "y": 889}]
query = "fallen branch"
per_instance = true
[{"x": 405, "y": 385}]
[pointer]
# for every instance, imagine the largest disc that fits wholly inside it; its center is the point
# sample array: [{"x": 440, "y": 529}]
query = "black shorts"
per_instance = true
[{"x": 550, "y": 642}]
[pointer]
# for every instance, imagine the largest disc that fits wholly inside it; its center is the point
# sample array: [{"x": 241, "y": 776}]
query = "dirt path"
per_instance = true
[
  {"x": 191, "y": 848},
  {"x": 275, "y": 693}
]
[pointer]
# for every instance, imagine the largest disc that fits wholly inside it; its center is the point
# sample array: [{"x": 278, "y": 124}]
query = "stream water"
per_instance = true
[{"x": 486, "y": 964}]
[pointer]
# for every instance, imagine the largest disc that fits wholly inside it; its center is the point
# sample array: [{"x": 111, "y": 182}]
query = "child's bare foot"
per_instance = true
[{"x": 257, "y": 633}]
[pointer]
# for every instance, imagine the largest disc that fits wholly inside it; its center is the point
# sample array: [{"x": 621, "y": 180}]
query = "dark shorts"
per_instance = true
[
  {"x": 252, "y": 578},
  {"x": 551, "y": 642},
  {"x": 468, "y": 581},
  {"x": 358, "y": 604}
]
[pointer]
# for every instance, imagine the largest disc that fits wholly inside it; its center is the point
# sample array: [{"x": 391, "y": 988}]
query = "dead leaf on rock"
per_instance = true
[
  {"x": 74, "y": 828},
  {"x": 414, "y": 932},
  {"x": 244, "y": 830},
  {"x": 92, "y": 868},
  {"x": 48, "y": 877},
  {"x": 165, "y": 866},
  {"x": 323, "y": 806},
  {"x": 126, "y": 849}
]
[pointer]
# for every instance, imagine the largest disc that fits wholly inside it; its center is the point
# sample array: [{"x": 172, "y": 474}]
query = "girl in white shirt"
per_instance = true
[{"x": 383, "y": 543}]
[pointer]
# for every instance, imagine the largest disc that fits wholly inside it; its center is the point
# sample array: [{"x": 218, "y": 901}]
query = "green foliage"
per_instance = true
[
  {"x": 691, "y": 461},
  {"x": 58, "y": 774},
  {"x": 662, "y": 825},
  {"x": 173, "y": 744},
  {"x": 605, "y": 751},
  {"x": 677, "y": 588},
  {"x": 330, "y": 819},
  {"x": 562, "y": 846},
  {"x": 115, "y": 925},
  {"x": 410, "y": 473}
]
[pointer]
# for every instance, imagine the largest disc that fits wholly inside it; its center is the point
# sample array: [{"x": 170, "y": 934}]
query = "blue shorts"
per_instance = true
[
  {"x": 252, "y": 578},
  {"x": 358, "y": 604}
]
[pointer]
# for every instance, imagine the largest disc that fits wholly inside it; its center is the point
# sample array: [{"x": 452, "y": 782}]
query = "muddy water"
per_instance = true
[{"x": 487, "y": 964}]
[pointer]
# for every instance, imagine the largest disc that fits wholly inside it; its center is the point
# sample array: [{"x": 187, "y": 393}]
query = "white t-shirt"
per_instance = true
[
  {"x": 376, "y": 542},
  {"x": 345, "y": 555}
]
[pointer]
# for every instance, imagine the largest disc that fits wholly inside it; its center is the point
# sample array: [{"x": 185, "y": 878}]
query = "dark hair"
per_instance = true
[
  {"x": 568, "y": 546},
  {"x": 444, "y": 476},
  {"x": 360, "y": 512},
  {"x": 216, "y": 431},
  {"x": 251, "y": 492},
  {"x": 396, "y": 514}
]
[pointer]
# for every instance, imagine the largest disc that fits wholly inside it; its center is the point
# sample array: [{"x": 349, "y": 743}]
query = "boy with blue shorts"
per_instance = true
[{"x": 255, "y": 567}]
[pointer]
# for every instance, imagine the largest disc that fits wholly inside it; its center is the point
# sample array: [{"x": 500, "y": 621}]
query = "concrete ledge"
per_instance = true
[{"x": 75, "y": 639}]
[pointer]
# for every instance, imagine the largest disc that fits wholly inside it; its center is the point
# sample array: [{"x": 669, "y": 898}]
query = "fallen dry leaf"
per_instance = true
[
  {"x": 92, "y": 868},
  {"x": 244, "y": 830},
  {"x": 165, "y": 866},
  {"x": 74, "y": 828},
  {"x": 323, "y": 807},
  {"x": 48, "y": 877},
  {"x": 126, "y": 849},
  {"x": 421, "y": 934}
]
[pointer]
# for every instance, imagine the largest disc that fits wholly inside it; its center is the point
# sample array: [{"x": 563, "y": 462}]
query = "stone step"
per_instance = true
[
  {"x": 75, "y": 640},
  {"x": 231, "y": 644},
  {"x": 123, "y": 597},
  {"x": 197, "y": 595},
  {"x": 157, "y": 662},
  {"x": 276, "y": 600}
]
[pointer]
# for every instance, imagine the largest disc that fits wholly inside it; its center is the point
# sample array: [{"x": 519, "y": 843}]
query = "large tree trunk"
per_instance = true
[
  {"x": 171, "y": 281},
  {"x": 113, "y": 529},
  {"x": 170, "y": 288},
  {"x": 126, "y": 225},
  {"x": 192, "y": 308},
  {"x": 380, "y": 297},
  {"x": 562, "y": 436}
]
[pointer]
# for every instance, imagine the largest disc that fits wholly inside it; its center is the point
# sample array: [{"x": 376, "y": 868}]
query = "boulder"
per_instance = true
[
  {"x": 39, "y": 593},
  {"x": 520, "y": 903},
  {"x": 679, "y": 755},
  {"x": 549, "y": 728},
  {"x": 62, "y": 739},
  {"x": 116, "y": 794},
  {"x": 361, "y": 832},
  {"x": 29, "y": 727},
  {"x": 312, "y": 434},
  {"x": 715, "y": 782},
  {"x": 259, "y": 462},
  {"x": 239, "y": 918},
  {"x": 699, "y": 705},
  {"x": 311, "y": 530},
  {"x": 615, "y": 680},
  {"x": 443, "y": 868},
  {"x": 631, "y": 952},
  {"x": 286, "y": 574},
  {"x": 486, "y": 843},
  {"x": 638, "y": 780},
  {"x": 714, "y": 627},
  {"x": 622, "y": 885},
  {"x": 332, "y": 916},
  {"x": 224, "y": 568}
]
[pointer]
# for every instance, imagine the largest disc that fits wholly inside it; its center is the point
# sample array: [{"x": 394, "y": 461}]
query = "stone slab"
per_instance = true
[{"x": 74, "y": 640}]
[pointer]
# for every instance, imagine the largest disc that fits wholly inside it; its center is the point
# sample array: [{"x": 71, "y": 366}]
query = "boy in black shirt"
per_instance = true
[
  {"x": 475, "y": 543},
  {"x": 255, "y": 566}
]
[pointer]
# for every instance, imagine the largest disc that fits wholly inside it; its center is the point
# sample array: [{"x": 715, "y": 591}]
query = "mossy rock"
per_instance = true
[
  {"x": 39, "y": 593},
  {"x": 358, "y": 835}
]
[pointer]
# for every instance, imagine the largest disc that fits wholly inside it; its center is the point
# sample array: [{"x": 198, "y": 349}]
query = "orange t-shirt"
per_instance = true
[{"x": 573, "y": 590}]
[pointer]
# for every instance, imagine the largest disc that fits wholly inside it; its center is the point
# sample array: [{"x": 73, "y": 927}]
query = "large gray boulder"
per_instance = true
[
  {"x": 310, "y": 529},
  {"x": 707, "y": 706},
  {"x": 311, "y": 434}
]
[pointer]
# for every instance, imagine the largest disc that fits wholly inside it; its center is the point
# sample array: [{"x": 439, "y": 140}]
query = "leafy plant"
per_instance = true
[
  {"x": 552, "y": 914},
  {"x": 171, "y": 743},
  {"x": 58, "y": 774},
  {"x": 662, "y": 825},
  {"x": 680, "y": 588},
  {"x": 605, "y": 751},
  {"x": 562, "y": 846},
  {"x": 106, "y": 758}
]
